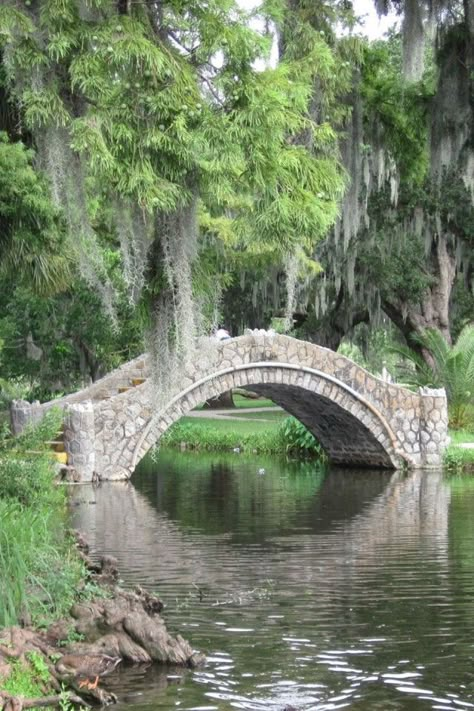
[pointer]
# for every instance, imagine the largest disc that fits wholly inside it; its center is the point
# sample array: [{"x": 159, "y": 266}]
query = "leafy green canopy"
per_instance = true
[
  {"x": 307, "y": 38},
  {"x": 31, "y": 229},
  {"x": 163, "y": 102}
]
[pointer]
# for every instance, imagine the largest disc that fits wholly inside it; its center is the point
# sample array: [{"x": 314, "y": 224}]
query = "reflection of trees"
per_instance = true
[
  {"x": 227, "y": 494},
  {"x": 461, "y": 548}
]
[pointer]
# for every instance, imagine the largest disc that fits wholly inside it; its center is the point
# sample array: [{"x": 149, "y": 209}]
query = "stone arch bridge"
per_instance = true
[{"x": 359, "y": 419}]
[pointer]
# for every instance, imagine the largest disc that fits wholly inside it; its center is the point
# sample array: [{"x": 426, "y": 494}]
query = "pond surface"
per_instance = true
[{"x": 323, "y": 590}]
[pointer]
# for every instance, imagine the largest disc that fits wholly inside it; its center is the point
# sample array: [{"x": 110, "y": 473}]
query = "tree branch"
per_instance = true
[{"x": 211, "y": 89}]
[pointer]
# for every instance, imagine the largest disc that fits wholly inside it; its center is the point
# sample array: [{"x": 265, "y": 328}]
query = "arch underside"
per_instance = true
[
  {"x": 350, "y": 430},
  {"x": 346, "y": 440}
]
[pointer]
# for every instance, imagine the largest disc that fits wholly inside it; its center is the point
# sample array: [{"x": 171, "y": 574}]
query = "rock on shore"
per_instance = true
[{"x": 120, "y": 626}]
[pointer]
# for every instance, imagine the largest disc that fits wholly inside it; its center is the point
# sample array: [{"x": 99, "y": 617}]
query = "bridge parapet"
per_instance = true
[{"x": 23, "y": 412}]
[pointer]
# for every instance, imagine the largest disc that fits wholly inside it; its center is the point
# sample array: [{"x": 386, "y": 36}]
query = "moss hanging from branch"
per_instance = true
[
  {"x": 420, "y": 19},
  {"x": 65, "y": 171},
  {"x": 130, "y": 103},
  {"x": 177, "y": 317},
  {"x": 452, "y": 116},
  {"x": 135, "y": 232},
  {"x": 410, "y": 174},
  {"x": 415, "y": 26}
]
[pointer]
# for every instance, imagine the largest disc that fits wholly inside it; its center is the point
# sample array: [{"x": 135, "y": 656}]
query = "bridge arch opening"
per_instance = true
[{"x": 349, "y": 428}]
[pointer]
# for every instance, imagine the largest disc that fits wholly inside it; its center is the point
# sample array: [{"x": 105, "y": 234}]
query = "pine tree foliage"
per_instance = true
[
  {"x": 307, "y": 31},
  {"x": 147, "y": 111}
]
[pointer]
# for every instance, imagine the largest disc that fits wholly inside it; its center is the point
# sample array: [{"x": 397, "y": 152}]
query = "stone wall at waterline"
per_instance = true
[{"x": 359, "y": 419}]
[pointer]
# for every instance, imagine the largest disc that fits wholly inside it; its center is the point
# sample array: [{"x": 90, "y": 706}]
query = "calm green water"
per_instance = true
[{"x": 332, "y": 590}]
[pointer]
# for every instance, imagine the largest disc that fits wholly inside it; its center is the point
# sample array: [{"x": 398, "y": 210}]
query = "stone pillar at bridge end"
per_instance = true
[
  {"x": 433, "y": 426},
  {"x": 79, "y": 438},
  {"x": 23, "y": 413}
]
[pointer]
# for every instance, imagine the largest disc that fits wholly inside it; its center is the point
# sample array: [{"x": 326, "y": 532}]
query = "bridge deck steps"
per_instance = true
[
  {"x": 60, "y": 457},
  {"x": 57, "y": 445}
]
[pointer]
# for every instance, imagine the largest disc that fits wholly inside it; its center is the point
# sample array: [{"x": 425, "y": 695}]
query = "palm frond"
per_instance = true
[
  {"x": 452, "y": 368},
  {"x": 412, "y": 370}
]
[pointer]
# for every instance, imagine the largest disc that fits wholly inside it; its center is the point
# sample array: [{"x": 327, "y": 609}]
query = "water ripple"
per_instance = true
[{"x": 350, "y": 590}]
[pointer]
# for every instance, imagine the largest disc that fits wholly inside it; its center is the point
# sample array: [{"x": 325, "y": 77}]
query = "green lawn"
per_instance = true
[
  {"x": 461, "y": 436},
  {"x": 276, "y": 416},
  {"x": 238, "y": 427},
  {"x": 244, "y": 435},
  {"x": 243, "y": 402},
  {"x": 224, "y": 435}
]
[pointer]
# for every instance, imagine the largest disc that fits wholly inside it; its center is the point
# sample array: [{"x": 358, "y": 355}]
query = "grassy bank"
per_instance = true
[
  {"x": 456, "y": 457},
  {"x": 459, "y": 459},
  {"x": 39, "y": 568},
  {"x": 29, "y": 678},
  {"x": 268, "y": 433},
  {"x": 223, "y": 435}
]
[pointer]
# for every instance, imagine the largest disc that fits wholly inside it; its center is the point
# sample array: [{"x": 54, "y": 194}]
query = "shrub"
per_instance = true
[
  {"x": 457, "y": 459},
  {"x": 27, "y": 479},
  {"x": 297, "y": 439},
  {"x": 290, "y": 437},
  {"x": 39, "y": 568},
  {"x": 15, "y": 389},
  {"x": 26, "y": 472}
]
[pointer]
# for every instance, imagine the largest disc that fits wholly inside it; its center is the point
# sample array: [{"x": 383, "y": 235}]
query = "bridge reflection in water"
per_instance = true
[{"x": 350, "y": 517}]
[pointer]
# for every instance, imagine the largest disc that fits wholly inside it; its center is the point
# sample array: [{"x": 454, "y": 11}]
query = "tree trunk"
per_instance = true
[
  {"x": 433, "y": 309},
  {"x": 221, "y": 402},
  {"x": 89, "y": 365},
  {"x": 337, "y": 322}
]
